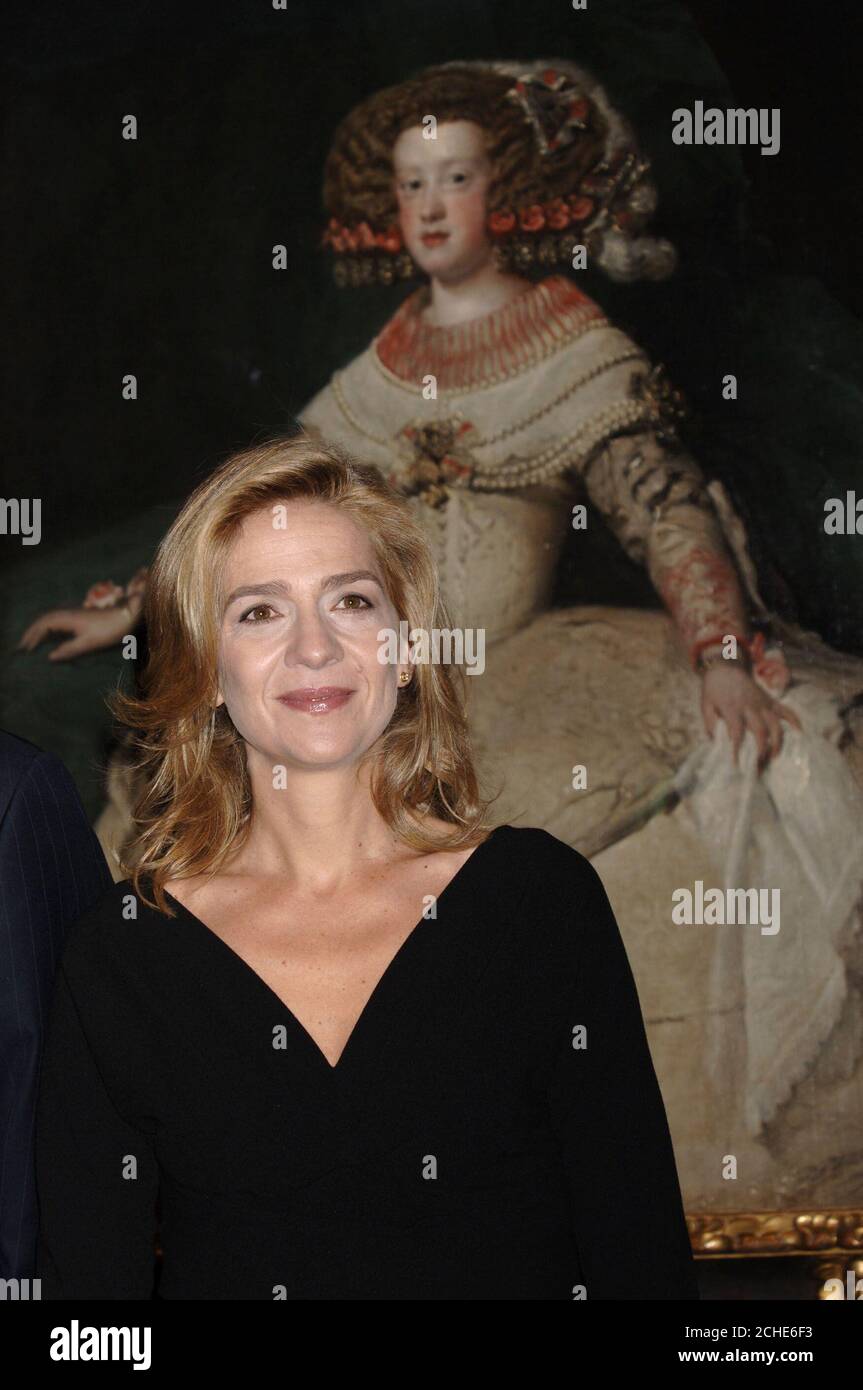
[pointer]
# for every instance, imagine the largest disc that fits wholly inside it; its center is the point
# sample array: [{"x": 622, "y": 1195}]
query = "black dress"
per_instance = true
[{"x": 462, "y": 1148}]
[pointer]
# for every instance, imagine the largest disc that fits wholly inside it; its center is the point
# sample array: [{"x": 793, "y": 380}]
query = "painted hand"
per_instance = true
[
  {"x": 728, "y": 692},
  {"x": 91, "y": 630}
]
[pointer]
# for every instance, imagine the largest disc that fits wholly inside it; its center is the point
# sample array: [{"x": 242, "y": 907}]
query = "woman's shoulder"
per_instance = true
[
  {"x": 548, "y": 865},
  {"x": 117, "y": 928},
  {"x": 541, "y": 844},
  {"x": 565, "y": 898},
  {"x": 560, "y": 924}
]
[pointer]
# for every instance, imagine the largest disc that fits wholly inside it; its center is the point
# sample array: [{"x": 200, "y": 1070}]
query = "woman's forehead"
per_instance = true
[
  {"x": 452, "y": 140},
  {"x": 297, "y": 531},
  {"x": 297, "y": 516}
]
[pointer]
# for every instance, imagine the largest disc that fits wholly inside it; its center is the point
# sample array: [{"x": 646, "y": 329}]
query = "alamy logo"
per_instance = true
[
  {"x": 440, "y": 646},
  {"x": 713, "y": 907},
  {"x": 20, "y": 1290},
  {"x": 77, "y": 1343},
  {"x": 844, "y": 517},
  {"x": 21, "y": 516},
  {"x": 754, "y": 126},
  {"x": 852, "y": 1289}
]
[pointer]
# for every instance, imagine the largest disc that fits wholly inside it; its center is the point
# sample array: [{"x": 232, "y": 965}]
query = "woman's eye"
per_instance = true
[
  {"x": 258, "y": 608},
  {"x": 368, "y": 603},
  {"x": 458, "y": 178}
]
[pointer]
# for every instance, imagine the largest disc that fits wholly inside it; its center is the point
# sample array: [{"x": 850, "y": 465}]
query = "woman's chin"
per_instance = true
[
  {"x": 440, "y": 264},
  {"x": 451, "y": 272}
]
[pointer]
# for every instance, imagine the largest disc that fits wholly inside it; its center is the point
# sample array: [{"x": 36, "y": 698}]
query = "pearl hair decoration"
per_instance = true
[{"x": 626, "y": 195}]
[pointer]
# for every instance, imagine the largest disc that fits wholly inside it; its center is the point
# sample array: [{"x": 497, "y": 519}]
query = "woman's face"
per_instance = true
[
  {"x": 441, "y": 187},
  {"x": 303, "y": 604}
]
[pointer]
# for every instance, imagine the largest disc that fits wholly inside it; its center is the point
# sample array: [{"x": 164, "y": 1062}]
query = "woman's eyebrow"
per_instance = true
[
  {"x": 278, "y": 588},
  {"x": 402, "y": 169}
]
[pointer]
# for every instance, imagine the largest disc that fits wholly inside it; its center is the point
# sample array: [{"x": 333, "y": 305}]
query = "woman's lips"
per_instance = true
[
  {"x": 434, "y": 238},
  {"x": 320, "y": 701}
]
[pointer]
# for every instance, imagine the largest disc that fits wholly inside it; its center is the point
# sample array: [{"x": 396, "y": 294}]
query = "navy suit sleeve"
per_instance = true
[
  {"x": 607, "y": 1111},
  {"x": 52, "y": 870}
]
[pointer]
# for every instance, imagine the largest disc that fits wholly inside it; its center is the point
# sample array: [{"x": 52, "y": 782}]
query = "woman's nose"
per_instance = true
[
  {"x": 432, "y": 207},
  {"x": 311, "y": 640}
]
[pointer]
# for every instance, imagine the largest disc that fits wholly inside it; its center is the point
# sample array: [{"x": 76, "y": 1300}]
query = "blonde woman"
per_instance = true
[{"x": 336, "y": 1035}]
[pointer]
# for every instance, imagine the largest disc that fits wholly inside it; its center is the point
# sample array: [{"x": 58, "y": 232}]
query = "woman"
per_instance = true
[{"x": 357, "y": 1043}]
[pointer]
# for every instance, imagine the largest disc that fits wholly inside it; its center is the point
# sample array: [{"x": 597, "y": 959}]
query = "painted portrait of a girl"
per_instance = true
[{"x": 670, "y": 744}]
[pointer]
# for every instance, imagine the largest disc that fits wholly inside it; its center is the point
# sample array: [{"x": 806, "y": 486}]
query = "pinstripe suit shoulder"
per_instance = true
[{"x": 52, "y": 870}]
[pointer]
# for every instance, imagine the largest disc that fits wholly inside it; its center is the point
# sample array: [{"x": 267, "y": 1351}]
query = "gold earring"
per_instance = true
[{"x": 405, "y": 677}]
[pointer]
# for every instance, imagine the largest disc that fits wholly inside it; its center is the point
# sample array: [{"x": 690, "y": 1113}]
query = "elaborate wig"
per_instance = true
[
  {"x": 566, "y": 172},
  {"x": 195, "y": 808}
]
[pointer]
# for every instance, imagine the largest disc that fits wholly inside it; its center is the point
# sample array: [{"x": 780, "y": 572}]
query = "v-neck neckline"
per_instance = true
[{"x": 451, "y": 892}]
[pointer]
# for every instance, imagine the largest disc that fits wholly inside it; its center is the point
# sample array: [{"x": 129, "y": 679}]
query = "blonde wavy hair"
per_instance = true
[{"x": 194, "y": 809}]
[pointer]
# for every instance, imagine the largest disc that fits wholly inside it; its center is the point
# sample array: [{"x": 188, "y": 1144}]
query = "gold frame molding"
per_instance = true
[{"x": 810, "y": 1231}]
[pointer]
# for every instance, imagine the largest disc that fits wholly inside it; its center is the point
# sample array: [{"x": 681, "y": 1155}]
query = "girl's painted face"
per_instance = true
[{"x": 442, "y": 186}]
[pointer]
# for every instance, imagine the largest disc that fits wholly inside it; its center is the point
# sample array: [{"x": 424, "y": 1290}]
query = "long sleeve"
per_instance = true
[
  {"x": 607, "y": 1112},
  {"x": 656, "y": 502},
  {"x": 52, "y": 869},
  {"x": 96, "y": 1174}
]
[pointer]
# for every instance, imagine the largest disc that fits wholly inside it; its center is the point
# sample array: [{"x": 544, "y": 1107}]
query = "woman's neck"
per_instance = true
[{"x": 482, "y": 293}]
